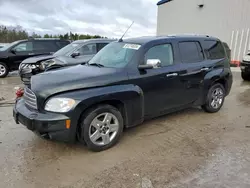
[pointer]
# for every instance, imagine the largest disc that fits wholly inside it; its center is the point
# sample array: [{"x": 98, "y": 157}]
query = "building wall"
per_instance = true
[{"x": 229, "y": 20}]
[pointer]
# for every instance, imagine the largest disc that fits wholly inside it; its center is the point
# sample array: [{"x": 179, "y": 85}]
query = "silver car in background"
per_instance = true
[{"x": 77, "y": 52}]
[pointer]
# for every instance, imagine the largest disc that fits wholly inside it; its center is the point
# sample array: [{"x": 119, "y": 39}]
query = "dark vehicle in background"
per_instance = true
[
  {"x": 13, "y": 54},
  {"x": 78, "y": 52},
  {"x": 245, "y": 67},
  {"x": 124, "y": 84}
]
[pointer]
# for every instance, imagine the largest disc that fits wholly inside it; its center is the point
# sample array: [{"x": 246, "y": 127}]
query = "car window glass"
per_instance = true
[
  {"x": 23, "y": 47},
  {"x": 44, "y": 46},
  {"x": 88, "y": 49},
  {"x": 214, "y": 49},
  {"x": 162, "y": 52},
  {"x": 191, "y": 52},
  {"x": 100, "y": 46},
  {"x": 61, "y": 44},
  {"x": 116, "y": 54}
]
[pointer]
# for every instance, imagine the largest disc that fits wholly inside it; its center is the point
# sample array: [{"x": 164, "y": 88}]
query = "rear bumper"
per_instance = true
[{"x": 49, "y": 125}]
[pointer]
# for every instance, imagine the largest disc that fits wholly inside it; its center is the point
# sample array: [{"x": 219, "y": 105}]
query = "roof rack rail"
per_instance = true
[
  {"x": 31, "y": 38},
  {"x": 187, "y": 34}
]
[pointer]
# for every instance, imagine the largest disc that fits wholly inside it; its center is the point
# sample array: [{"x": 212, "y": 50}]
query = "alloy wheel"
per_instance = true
[
  {"x": 2, "y": 70},
  {"x": 103, "y": 129},
  {"x": 217, "y": 98}
]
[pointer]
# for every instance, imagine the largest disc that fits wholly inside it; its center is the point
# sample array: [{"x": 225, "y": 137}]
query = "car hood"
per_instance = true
[
  {"x": 74, "y": 78},
  {"x": 37, "y": 59},
  {"x": 59, "y": 60}
]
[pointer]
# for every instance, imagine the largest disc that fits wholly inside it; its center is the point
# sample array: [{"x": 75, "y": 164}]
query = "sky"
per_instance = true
[{"x": 97, "y": 17}]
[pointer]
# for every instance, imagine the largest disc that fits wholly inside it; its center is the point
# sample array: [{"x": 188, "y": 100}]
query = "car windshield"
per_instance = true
[
  {"x": 67, "y": 49},
  {"x": 7, "y": 46},
  {"x": 116, "y": 55}
]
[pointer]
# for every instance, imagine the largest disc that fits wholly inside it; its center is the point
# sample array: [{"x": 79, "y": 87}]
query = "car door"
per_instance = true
[
  {"x": 20, "y": 52},
  {"x": 193, "y": 67},
  {"x": 161, "y": 86},
  {"x": 86, "y": 53}
]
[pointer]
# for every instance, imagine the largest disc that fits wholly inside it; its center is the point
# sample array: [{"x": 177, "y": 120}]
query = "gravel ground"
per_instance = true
[{"x": 189, "y": 148}]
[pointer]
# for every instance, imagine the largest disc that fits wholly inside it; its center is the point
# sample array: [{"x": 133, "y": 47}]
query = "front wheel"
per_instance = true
[
  {"x": 245, "y": 76},
  {"x": 4, "y": 70},
  {"x": 101, "y": 127},
  {"x": 215, "y": 98}
]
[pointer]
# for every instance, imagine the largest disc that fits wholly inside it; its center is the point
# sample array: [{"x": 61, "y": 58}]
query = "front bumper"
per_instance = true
[
  {"x": 245, "y": 66},
  {"x": 49, "y": 125}
]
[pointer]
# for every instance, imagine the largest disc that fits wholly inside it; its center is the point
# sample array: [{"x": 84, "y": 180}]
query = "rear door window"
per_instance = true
[
  {"x": 100, "y": 46},
  {"x": 191, "y": 52},
  {"x": 214, "y": 49},
  {"x": 89, "y": 49},
  {"x": 44, "y": 46},
  {"x": 61, "y": 44}
]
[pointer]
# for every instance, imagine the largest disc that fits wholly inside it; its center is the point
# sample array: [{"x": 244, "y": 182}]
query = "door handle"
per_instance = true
[
  {"x": 204, "y": 69},
  {"x": 172, "y": 74}
]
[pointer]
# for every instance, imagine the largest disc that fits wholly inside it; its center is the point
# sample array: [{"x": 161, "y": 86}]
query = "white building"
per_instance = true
[{"x": 229, "y": 20}]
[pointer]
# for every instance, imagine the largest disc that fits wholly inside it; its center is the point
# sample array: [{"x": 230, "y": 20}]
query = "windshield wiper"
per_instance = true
[{"x": 96, "y": 64}]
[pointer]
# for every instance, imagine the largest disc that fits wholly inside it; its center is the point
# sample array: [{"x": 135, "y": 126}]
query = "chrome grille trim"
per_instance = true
[{"x": 30, "y": 98}]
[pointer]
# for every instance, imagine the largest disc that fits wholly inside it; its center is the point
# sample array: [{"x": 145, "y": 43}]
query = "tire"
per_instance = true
[
  {"x": 214, "y": 99},
  {"x": 4, "y": 70},
  {"x": 245, "y": 76},
  {"x": 95, "y": 131}
]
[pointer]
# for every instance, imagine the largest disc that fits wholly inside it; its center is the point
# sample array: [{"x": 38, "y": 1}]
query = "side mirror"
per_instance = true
[
  {"x": 150, "y": 64},
  {"x": 75, "y": 54},
  {"x": 13, "y": 51}
]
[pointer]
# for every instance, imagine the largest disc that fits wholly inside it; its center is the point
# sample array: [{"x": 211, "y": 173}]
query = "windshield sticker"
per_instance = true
[{"x": 132, "y": 46}]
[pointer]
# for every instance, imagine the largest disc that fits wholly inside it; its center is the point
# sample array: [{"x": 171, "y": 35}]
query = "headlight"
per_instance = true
[
  {"x": 45, "y": 64},
  {"x": 59, "y": 104}
]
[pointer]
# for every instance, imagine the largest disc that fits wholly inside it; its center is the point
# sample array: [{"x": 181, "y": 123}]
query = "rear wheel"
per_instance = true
[
  {"x": 4, "y": 70},
  {"x": 245, "y": 76},
  {"x": 215, "y": 98},
  {"x": 101, "y": 127}
]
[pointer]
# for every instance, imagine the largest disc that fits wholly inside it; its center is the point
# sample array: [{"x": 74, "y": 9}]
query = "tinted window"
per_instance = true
[
  {"x": 46, "y": 46},
  {"x": 61, "y": 44},
  {"x": 100, "y": 46},
  {"x": 214, "y": 49},
  {"x": 88, "y": 49},
  {"x": 162, "y": 52},
  {"x": 24, "y": 47},
  {"x": 191, "y": 52}
]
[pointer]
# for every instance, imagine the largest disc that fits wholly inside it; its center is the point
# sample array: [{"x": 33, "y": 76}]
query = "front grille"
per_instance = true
[{"x": 30, "y": 98}]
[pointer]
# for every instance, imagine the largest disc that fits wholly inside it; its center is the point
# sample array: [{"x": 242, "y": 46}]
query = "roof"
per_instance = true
[
  {"x": 96, "y": 40},
  {"x": 144, "y": 40},
  {"x": 163, "y": 2}
]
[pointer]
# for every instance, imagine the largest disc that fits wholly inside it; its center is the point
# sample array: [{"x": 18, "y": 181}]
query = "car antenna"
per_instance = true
[{"x": 120, "y": 40}]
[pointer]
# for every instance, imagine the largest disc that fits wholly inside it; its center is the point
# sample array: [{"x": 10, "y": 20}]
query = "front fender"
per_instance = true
[{"x": 131, "y": 96}]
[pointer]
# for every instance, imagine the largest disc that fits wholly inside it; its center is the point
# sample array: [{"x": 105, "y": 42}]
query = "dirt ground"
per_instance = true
[{"x": 188, "y": 149}]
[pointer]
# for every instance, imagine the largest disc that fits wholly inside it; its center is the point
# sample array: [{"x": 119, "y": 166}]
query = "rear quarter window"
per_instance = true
[{"x": 214, "y": 49}]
